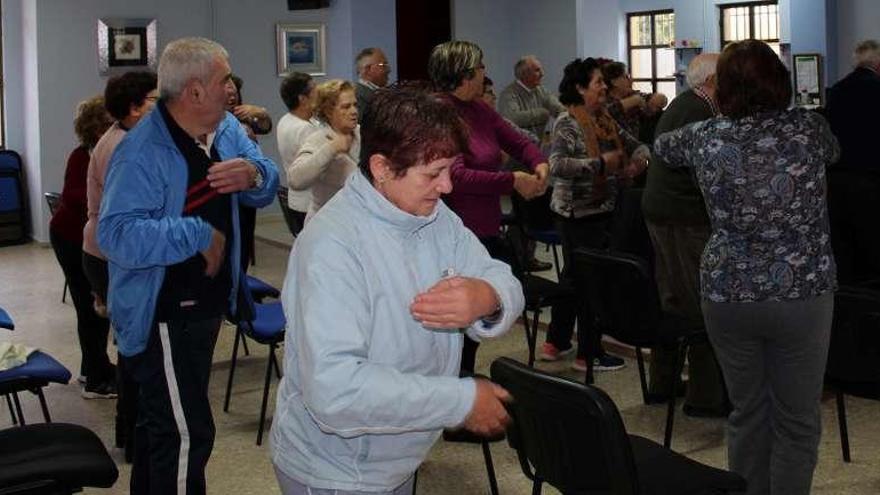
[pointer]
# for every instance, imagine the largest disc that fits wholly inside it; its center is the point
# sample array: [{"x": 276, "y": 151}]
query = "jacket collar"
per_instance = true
[
  {"x": 378, "y": 206},
  {"x": 163, "y": 137}
]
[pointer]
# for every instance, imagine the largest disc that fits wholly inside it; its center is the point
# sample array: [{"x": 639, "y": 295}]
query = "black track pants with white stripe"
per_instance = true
[{"x": 175, "y": 430}]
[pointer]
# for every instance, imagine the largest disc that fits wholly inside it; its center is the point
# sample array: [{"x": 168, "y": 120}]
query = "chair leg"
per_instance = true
[
  {"x": 266, "y": 393},
  {"x": 533, "y": 343},
  {"x": 277, "y": 367},
  {"x": 676, "y": 378},
  {"x": 536, "y": 486},
  {"x": 415, "y": 481},
  {"x": 18, "y": 408},
  {"x": 244, "y": 346},
  {"x": 556, "y": 263},
  {"x": 527, "y": 328},
  {"x": 232, "y": 369},
  {"x": 490, "y": 468},
  {"x": 11, "y": 410},
  {"x": 640, "y": 360},
  {"x": 64, "y": 292},
  {"x": 841, "y": 422},
  {"x": 43, "y": 405}
]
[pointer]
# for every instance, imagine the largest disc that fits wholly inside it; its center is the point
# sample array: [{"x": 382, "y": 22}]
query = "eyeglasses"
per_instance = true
[
  {"x": 153, "y": 99},
  {"x": 383, "y": 65}
]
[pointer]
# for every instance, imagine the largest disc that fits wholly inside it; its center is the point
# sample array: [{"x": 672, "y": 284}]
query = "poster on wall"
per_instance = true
[
  {"x": 126, "y": 44},
  {"x": 808, "y": 80},
  {"x": 301, "y": 48}
]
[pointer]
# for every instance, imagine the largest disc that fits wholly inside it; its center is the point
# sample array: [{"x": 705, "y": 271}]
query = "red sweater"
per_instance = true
[
  {"x": 70, "y": 218},
  {"x": 477, "y": 181}
]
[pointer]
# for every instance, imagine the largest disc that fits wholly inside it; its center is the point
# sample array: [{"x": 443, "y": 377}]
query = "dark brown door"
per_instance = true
[{"x": 421, "y": 25}]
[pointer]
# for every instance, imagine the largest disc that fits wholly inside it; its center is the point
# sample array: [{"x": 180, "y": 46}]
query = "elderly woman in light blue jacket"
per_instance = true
[{"x": 381, "y": 286}]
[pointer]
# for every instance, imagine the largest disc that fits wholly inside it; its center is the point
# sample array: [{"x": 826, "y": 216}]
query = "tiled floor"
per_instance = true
[{"x": 31, "y": 292}]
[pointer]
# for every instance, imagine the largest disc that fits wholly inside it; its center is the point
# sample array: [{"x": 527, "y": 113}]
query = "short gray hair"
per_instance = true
[
  {"x": 519, "y": 70},
  {"x": 701, "y": 68},
  {"x": 186, "y": 59},
  {"x": 452, "y": 62},
  {"x": 867, "y": 53},
  {"x": 361, "y": 60}
]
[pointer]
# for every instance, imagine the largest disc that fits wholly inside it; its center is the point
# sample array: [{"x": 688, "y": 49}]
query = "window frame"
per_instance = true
[
  {"x": 751, "y": 6},
  {"x": 654, "y": 79}
]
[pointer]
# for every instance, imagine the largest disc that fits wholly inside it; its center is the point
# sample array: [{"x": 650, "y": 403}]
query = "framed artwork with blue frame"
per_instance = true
[{"x": 301, "y": 48}]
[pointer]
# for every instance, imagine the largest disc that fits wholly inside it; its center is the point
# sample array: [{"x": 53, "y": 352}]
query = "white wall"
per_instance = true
[
  {"x": 857, "y": 20},
  {"x": 41, "y": 98}
]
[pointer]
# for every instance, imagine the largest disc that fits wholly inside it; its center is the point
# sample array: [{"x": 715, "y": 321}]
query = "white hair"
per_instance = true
[
  {"x": 520, "y": 70},
  {"x": 701, "y": 68},
  {"x": 186, "y": 59},
  {"x": 867, "y": 54}
]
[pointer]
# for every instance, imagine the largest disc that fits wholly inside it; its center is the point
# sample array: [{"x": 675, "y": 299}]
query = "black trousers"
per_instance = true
[
  {"x": 853, "y": 203},
  {"x": 91, "y": 328},
  {"x": 590, "y": 232},
  {"x": 175, "y": 430}
]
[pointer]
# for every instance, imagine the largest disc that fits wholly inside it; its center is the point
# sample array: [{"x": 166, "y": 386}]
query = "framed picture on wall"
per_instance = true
[
  {"x": 301, "y": 48},
  {"x": 126, "y": 44}
]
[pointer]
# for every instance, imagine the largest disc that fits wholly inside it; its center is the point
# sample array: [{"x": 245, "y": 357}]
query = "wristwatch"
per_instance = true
[{"x": 258, "y": 178}]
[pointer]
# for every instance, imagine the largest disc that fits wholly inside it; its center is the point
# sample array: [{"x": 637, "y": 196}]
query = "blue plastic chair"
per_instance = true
[
  {"x": 261, "y": 290},
  {"x": 266, "y": 328},
  {"x": 39, "y": 371}
]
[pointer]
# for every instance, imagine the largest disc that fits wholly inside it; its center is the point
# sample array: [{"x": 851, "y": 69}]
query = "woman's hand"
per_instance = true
[
  {"x": 613, "y": 160},
  {"x": 342, "y": 142},
  {"x": 454, "y": 302},
  {"x": 527, "y": 185},
  {"x": 657, "y": 102}
]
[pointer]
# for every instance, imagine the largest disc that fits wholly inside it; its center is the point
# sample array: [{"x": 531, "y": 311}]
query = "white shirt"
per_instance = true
[{"x": 292, "y": 132}]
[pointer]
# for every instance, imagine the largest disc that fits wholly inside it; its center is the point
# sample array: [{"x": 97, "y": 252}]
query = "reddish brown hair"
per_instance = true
[{"x": 751, "y": 79}]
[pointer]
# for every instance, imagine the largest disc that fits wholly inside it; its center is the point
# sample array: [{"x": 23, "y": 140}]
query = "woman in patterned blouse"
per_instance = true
[
  {"x": 767, "y": 274},
  {"x": 587, "y": 158}
]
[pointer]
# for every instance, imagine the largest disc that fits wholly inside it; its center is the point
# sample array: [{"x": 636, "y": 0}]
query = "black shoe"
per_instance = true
[
  {"x": 705, "y": 412},
  {"x": 539, "y": 266},
  {"x": 101, "y": 390}
]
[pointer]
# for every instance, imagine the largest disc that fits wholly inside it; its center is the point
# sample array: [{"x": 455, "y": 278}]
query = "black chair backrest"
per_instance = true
[
  {"x": 622, "y": 294},
  {"x": 570, "y": 433},
  {"x": 854, "y": 353},
  {"x": 292, "y": 224},
  {"x": 53, "y": 199},
  {"x": 534, "y": 214}
]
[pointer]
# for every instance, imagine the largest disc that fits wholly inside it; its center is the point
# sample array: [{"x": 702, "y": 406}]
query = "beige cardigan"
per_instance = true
[{"x": 319, "y": 166}]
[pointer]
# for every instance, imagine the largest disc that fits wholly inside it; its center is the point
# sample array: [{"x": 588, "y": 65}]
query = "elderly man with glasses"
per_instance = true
[{"x": 373, "y": 69}]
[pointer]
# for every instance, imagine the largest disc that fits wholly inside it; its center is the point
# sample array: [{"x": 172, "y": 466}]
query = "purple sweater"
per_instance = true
[{"x": 477, "y": 181}]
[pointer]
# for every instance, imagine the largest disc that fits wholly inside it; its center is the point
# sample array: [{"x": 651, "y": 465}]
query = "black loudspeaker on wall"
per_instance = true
[{"x": 307, "y": 4}]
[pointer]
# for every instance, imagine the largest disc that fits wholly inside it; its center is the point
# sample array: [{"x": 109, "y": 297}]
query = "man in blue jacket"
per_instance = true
[{"x": 169, "y": 227}]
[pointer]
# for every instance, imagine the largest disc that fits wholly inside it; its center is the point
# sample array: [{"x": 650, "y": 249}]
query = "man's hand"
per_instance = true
[
  {"x": 455, "y": 302},
  {"x": 232, "y": 175},
  {"x": 214, "y": 253},
  {"x": 488, "y": 417},
  {"x": 527, "y": 185}
]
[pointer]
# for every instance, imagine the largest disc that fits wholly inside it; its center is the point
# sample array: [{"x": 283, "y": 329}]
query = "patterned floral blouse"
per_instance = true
[{"x": 763, "y": 179}]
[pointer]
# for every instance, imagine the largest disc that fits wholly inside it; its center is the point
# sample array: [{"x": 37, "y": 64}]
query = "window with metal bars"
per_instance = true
[
  {"x": 649, "y": 43},
  {"x": 755, "y": 20}
]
